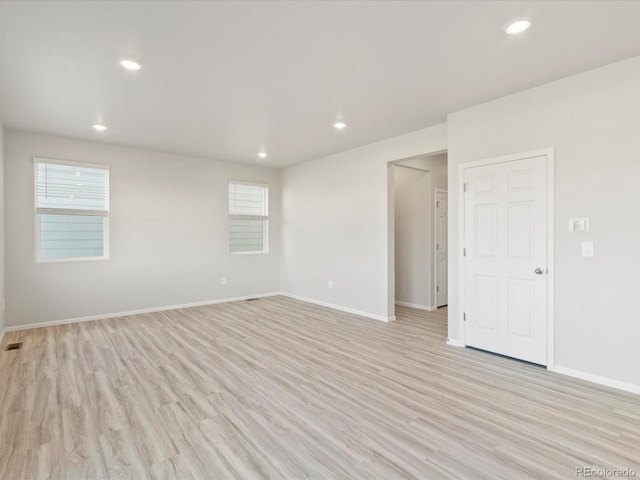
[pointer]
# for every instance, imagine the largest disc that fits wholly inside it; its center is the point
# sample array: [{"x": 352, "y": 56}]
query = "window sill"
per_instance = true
[{"x": 75, "y": 259}]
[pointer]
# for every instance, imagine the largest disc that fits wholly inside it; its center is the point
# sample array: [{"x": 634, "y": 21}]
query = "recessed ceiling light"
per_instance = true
[
  {"x": 517, "y": 27},
  {"x": 100, "y": 128},
  {"x": 130, "y": 64},
  {"x": 262, "y": 155},
  {"x": 339, "y": 125}
]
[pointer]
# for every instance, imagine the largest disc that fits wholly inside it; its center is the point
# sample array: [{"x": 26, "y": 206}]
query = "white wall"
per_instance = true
[
  {"x": 412, "y": 239},
  {"x": 2, "y": 268},
  {"x": 593, "y": 121},
  {"x": 414, "y": 228},
  {"x": 336, "y": 219},
  {"x": 168, "y": 234},
  {"x": 437, "y": 166}
]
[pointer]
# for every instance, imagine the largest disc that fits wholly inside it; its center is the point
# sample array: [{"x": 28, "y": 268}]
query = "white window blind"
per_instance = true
[
  {"x": 72, "y": 209},
  {"x": 248, "y": 217}
]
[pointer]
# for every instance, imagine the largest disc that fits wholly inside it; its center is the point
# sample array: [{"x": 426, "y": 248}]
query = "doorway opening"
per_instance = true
[{"x": 418, "y": 189}]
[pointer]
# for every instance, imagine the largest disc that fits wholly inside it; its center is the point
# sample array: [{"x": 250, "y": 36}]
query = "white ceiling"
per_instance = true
[{"x": 226, "y": 79}]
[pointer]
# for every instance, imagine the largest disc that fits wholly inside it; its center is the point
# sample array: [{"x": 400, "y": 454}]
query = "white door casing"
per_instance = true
[
  {"x": 441, "y": 250},
  {"x": 506, "y": 256}
]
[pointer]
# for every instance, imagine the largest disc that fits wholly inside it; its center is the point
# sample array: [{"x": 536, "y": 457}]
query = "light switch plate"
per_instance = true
[
  {"x": 579, "y": 225},
  {"x": 587, "y": 249}
]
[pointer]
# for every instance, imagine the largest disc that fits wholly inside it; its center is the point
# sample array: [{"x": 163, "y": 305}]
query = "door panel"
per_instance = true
[
  {"x": 520, "y": 181},
  {"x": 485, "y": 185},
  {"x": 505, "y": 242},
  {"x": 520, "y": 220},
  {"x": 485, "y": 230},
  {"x": 520, "y": 307}
]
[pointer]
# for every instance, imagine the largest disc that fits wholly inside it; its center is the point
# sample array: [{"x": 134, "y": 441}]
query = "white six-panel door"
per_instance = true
[
  {"x": 441, "y": 248},
  {"x": 505, "y": 299}
]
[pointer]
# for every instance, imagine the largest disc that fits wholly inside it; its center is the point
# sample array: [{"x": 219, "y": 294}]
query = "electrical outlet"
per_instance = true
[
  {"x": 330, "y": 284},
  {"x": 223, "y": 281}
]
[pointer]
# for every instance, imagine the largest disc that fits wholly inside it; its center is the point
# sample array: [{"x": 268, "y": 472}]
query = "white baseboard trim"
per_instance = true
[
  {"x": 415, "y": 305},
  {"x": 66, "y": 321},
  {"x": 1, "y": 335},
  {"x": 454, "y": 343},
  {"x": 339, "y": 307},
  {"x": 627, "y": 387},
  {"x": 133, "y": 312}
]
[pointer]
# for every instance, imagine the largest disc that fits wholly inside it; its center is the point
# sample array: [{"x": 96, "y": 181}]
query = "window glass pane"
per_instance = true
[
  {"x": 71, "y": 187},
  {"x": 246, "y": 235},
  {"x": 247, "y": 199},
  {"x": 246, "y": 232},
  {"x": 71, "y": 236}
]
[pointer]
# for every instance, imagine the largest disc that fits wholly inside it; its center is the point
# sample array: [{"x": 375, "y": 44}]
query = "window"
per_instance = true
[
  {"x": 72, "y": 210},
  {"x": 248, "y": 217}
]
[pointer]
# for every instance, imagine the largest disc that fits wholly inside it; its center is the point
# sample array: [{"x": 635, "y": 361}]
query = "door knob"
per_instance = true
[{"x": 538, "y": 271}]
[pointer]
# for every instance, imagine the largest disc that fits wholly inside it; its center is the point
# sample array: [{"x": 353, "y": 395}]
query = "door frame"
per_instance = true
[
  {"x": 549, "y": 153},
  {"x": 436, "y": 191}
]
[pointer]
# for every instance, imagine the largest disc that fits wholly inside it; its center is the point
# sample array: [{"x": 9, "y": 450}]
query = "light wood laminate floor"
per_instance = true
[{"x": 276, "y": 388}]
